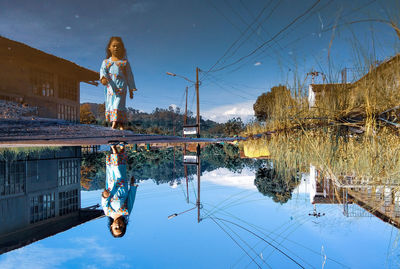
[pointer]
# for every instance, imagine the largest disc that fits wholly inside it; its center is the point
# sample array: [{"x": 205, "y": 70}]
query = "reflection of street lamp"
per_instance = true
[
  {"x": 315, "y": 213},
  {"x": 176, "y": 214}
]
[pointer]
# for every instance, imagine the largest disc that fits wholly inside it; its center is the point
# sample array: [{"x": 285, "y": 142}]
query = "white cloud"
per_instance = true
[
  {"x": 173, "y": 106},
  {"x": 224, "y": 177},
  {"x": 224, "y": 113},
  {"x": 39, "y": 256},
  {"x": 257, "y": 63}
]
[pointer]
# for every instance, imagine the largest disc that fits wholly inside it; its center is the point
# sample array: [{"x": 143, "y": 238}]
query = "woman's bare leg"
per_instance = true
[
  {"x": 114, "y": 125},
  {"x": 114, "y": 149}
]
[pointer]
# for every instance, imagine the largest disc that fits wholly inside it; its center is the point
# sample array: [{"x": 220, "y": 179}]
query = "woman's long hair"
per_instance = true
[
  {"x": 123, "y": 230},
  {"x": 116, "y": 38}
]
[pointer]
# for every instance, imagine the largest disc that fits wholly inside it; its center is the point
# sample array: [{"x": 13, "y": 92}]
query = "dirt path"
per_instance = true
[{"x": 26, "y": 131}]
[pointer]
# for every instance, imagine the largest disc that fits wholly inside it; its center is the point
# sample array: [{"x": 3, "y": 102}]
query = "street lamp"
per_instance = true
[
  {"x": 176, "y": 75},
  {"x": 196, "y": 83}
]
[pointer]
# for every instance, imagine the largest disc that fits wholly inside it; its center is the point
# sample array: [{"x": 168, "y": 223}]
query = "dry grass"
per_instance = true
[{"x": 368, "y": 158}]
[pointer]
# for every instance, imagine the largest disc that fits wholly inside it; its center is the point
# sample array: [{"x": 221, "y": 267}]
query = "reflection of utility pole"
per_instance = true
[
  {"x": 198, "y": 182},
  {"x": 315, "y": 213},
  {"x": 193, "y": 160}
]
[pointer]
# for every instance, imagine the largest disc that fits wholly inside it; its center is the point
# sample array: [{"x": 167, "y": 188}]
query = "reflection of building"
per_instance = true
[
  {"x": 41, "y": 80},
  {"x": 380, "y": 200},
  {"x": 40, "y": 196},
  {"x": 90, "y": 149}
]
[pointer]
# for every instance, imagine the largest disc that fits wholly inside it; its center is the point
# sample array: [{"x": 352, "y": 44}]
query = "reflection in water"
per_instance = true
[
  {"x": 371, "y": 198},
  {"x": 39, "y": 195},
  {"x": 118, "y": 196},
  {"x": 276, "y": 184},
  {"x": 231, "y": 213}
]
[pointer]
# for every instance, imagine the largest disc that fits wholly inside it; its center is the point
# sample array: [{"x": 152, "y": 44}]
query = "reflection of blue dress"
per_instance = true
[
  {"x": 120, "y": 77},
  {"x": 122, "y": 195}
]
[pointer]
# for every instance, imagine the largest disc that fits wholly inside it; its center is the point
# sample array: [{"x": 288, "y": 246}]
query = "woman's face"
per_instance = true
[
  {"x": 115, "y": 48},
  {"x": 117, "y": 226}
]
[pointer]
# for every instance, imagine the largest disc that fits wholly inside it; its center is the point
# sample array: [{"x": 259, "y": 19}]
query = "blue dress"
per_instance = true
[
  {"x": 120, "y": 77},
  {"x": 122, "y": 195}
]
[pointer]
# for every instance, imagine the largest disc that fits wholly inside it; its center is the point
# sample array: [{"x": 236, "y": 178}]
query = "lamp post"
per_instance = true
[{"x": 196, "y": 83}]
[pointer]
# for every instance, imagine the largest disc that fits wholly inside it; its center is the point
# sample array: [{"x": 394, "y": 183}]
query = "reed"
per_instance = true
[{"x": 372, "y": 159}]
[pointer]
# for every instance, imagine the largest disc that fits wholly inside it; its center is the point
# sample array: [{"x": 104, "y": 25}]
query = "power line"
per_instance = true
[
  {"x": 235, "y": 241},
  {"x": 237, "y": 40},
  {"x": 268, "y": 41},
  {"x": 244, "y": 228}
]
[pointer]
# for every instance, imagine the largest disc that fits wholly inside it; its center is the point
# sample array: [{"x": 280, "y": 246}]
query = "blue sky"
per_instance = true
[
  {"x": 153, "y": 241},
  {"x": 178, "y": 35}
]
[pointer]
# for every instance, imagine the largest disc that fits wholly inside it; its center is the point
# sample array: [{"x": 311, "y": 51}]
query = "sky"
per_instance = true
[
  {"x": 153, "y": 241},
  {"x": 242, "y": 48}
]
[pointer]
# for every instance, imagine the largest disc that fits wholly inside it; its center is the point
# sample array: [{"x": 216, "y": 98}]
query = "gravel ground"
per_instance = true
[
  {"x": 28, "y": 131},
  {"x": 11, "y": 110}
]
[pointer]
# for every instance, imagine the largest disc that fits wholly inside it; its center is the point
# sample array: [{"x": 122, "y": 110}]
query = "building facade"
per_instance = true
[{"x": 33, "y": 77}]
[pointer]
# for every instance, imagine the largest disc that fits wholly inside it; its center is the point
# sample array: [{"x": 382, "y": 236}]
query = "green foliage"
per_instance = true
[
  {"x": 276, "y": 185},
  {"x": 158, "y": 164},
  {"x": 233, "y": 126},
  {"x": 160, "y": 121}
]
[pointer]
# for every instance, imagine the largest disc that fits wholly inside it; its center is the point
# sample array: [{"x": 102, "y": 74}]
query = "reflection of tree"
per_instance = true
[
  {"x": 158, "y": 164},
  {"x": 277, "y": 185}
]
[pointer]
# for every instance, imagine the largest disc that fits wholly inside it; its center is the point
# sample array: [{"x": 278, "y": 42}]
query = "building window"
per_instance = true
[
  {"x": 68, "y": 202},
  {"x": 67, "y": 88},
  {"x": 12, "y": 177},
  {"x": 42, "y": 83},
  {"x": 65, "y": 112},
  {"x": 42, "y": 207}
]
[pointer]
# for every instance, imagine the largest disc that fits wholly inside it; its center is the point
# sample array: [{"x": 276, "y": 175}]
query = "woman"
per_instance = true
[{"x": 116, "y": 75}]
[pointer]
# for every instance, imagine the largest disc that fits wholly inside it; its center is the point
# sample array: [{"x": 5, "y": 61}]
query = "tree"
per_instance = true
[
  {"x": 86, "y": 115},
  {"x": 233, "y": 126},
  {"x": 272, "y": 103}
]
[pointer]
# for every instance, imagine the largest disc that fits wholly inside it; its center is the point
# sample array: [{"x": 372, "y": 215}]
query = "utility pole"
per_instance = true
[
  {"x": 316, "y": 74},
  {"x": 185, "y": 117},
  {"x": 198, "y": 102}
]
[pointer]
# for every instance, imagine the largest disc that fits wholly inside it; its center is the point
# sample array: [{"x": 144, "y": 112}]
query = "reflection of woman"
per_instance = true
[{"x": 118, "y": 197}]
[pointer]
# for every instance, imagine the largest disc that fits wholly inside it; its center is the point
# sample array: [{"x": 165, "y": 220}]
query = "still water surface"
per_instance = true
[{"x": 238, "y": 227}]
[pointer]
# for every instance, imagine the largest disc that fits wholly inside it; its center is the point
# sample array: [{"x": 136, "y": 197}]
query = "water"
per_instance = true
[{"x": 239, "y": 227}]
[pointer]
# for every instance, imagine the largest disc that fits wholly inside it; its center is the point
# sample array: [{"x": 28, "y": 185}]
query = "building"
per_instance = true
[
  {"x": 384, "y": 76},
  {"x": 33, "y": 77},
  {"x": 40, "y": 196},
  {"x": 326, "y": 93}
]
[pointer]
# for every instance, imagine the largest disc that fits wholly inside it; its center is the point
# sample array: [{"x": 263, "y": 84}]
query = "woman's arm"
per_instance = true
[
  {"x": 104, "y": 205},
  {"x": 131, "y": 197},
  {"x": 130, "y": 80},
  {"x": 104, "y": 73}
]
